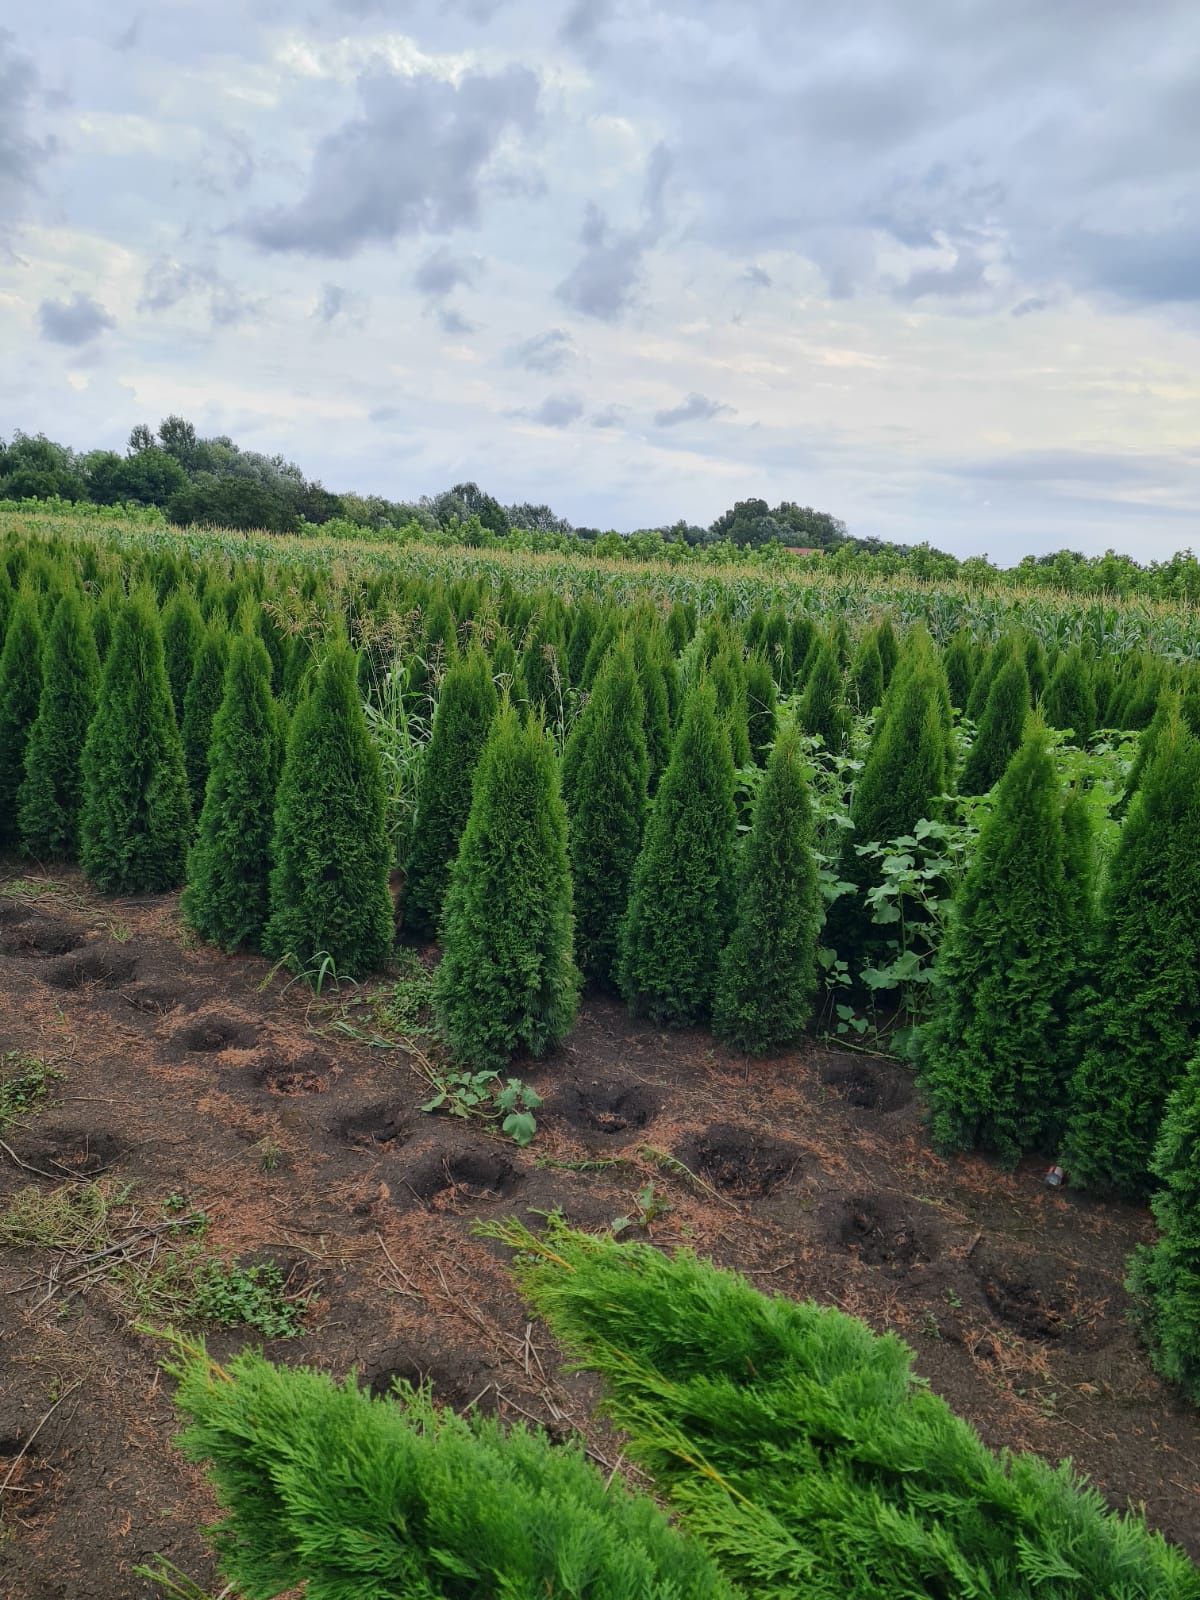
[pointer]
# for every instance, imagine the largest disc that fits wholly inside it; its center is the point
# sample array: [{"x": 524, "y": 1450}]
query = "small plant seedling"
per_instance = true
[
  {"x": 482, "y": 1096},
  {"x": 269, "y": 1154},
  {"x": 650, "y": 1206},
  {"x": 25, "y": 1082}
]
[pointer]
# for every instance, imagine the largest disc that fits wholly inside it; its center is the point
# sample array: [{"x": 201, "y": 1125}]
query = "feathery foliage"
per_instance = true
[
  {"x": 52, "y": 790},
  {"x": 200, "y": 703},
  {"x": 20, "y": 699},
  {"x": 1000, "y": 729}
]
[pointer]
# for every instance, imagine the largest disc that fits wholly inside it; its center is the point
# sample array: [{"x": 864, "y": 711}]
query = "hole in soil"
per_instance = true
[
  {"x": 211, "y": 1034},
  {"x": 454, "y": 1384},
  {"x": 383, "y": 1124},
  {"x": 881, "y": 1237},
  {"x": 106, "y": 966},
  {"x": 82, "y": 1154},
  {"x": 156, "y": 998},
  {"x": 40, "y": 938},
  {"x": 464, "y": 1176},
  {"x": 308, "y": 1074},
  {"x": 1024, "y": 1306},
  {"x": 741, "y": 1160},
  {"x": 608, "y": 1108},
  {"x": 868, "y": 1087}
]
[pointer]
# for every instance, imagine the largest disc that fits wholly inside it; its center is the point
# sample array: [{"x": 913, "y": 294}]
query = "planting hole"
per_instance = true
[
  {"x": 381, "y": 1125},
  {"x": 42, "y": 937},
  {"x": 102, "y": 965},
  {"x": 868, "y": 1087},
  {"x": 211, "y": 1034},
  {"x": 464, "y": 1177},
  {"x": 740, "y": 1160},
  {"x": 608, "y": 1108},
  {"x": 308, "y": 1074},
  {"x": 82, "y": 1153},
  {"x": 881, "y": 1237},
  {"x": 1023, "y": 1306}
]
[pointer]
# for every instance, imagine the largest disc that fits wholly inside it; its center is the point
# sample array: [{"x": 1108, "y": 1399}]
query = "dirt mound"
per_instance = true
[
  {"x": 739, "y": 1160},
  {"x": 208, "y": 1035},
  {"x": 462, "y": 1177},
  {"x": 879, "y": 1233},
  {"x": 868, "y": 1085},
  {"x": 607, "y": 1108},
  {"x": 102, "y": 965},
  {"x": 382, "y": 1125}
]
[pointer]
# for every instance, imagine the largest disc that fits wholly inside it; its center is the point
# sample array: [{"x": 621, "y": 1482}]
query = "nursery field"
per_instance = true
[
  {"x": 435, "y": 962},
  {"x": 190, "y": 1083}
]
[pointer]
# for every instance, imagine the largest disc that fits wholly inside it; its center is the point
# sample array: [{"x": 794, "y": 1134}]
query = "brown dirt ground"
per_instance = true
[{"x": 814, "y": 1180}]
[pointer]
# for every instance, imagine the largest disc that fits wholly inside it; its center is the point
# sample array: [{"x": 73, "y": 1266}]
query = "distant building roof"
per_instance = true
[{"x": 803, "y": 550}]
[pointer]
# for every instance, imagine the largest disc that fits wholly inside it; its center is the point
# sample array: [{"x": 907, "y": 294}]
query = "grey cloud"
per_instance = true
[
  {"x": 547, "y": 352},
  {"x": 453, "y": 321},
  {"x": 758, "y": 277},
  {"x": 965, "y": 275},
  {"x": 442, "y": 272},
  {"x": 412, "y": 161},
  {"x": 696, "y": 408},
  {"x": 20, "y": 153},
  {"x": 558, "y": 410},
  {"x": 334, "y": 301},
  {"x": 75, "y": 322},
  {"x": 608, "y": 417},
  {"x": 168, "y": 282},
  {"x": 129, "y": 36},
  {"x": 604, "y": 279},
  {"x": 1071, "y": 466},
  {"x": 1027, "y": 307}
]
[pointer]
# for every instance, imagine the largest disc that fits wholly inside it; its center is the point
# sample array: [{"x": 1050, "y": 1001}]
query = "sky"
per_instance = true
[{"x": 930, "y": 265}]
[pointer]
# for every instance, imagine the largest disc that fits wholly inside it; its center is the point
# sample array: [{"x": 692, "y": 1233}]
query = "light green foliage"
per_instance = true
[
  {"x": 51, "y": 792},
  {"x": 508, "y": 981},
  {"x": 801, "y": 1450},
  {"x": 135, "y": 819},
  {"x": 329, "y": 884},
  {"x": 605, "y": 776},
  {"x": 681, "y": 904},
  {"x": 358, "y": 1498},
  {"x": 996, "y": 1057},
  {"x": 20, "y": 698},
  {"x": 768, "y": 978},
  {"x": 229, "y": 866},
  {"x": 487, "y": 1098},
  {"x": 867, "y": 675}
]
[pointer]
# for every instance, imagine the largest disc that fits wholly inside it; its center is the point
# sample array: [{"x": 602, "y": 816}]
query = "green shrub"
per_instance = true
[
  {"x": 761, "y": 699},
  {"x": 182, "y": 630},
  {"x": 822, "y": 708},
  {"x": 52, "y": 790},
  {"x": 465, "y": 709},
  {"x": 329, "y": 884},
  {"x": 358, "y": 1498},
  {"x": 605, "y": 776},
  {"x": 681, "y": 904},
  {"x": 204, "y": 695},
  {"x": 907, "y": 765},
  {"x": 508, "y": 981},
  {"x": 229, "y": 866},
  {"x": 20, "y": 699},
  {"x": 135, "y": 818},
  {"x": 1000, "y": 730},
  {"x": 961, "y": 663},
  {"x": 768, "y": 972},
  {"x": 1070, "y": 699},
  {"x": 868, "y": 675}
]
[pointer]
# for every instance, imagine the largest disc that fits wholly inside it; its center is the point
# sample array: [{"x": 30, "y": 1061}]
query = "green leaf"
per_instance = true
[{"x": 520, "y": 1127}]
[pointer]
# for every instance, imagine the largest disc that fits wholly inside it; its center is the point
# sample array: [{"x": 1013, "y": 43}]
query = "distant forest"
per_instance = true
[{"x": 198, "y": 481}]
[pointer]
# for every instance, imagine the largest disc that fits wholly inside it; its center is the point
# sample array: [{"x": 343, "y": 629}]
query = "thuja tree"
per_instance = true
[
  {"x": 329, "y": 886},
  {"x": 1070, "y": 698},
  {"x": 507, "y": 982},
  {"x": 768, "y": 973},
  {"x": 822, "y": 707},
  {"x": 182, "y": 631},
  {"x": 52, "y": 790},
  {"x": 727, "y": 674},
  {"x": 20, "y": 697},
  {"x": 681, "y": 904},
  {"x": 135, "y": 818},
  {"x": 200, "y": 703},
  {"x": 1142, "y": 1028},
  {"x": 868, "y": 674},
  {"x": 352, "y": 1497},
  {"x": 996, "y": 1056},
  {"x": 229, "y": 867},
  {"x": 761, "y": 701},
  {"x": 889, "y": 650},
  {"x": 1000, "y": 729},
  {"x": 961, "y": 661},
  {"x": 465, "y": 709},
  {"x": 605, "y": 776},
  {"x": 655, "y": 675},
  {"x": 1165, "y": 1276},
  {"x": 908, "y": 762}
]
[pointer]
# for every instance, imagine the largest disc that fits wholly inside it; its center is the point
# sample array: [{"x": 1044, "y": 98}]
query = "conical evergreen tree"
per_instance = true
[
  {"x": 727, "y": 674},
  {"x": 1079, "y": 862},
  {"x": 1000, "y": 730},
  {"x": 507, "y": 982},
  {"x": 1003, "y": 651},
  {"x": 776, "y": 648},
  {"x": 681, "y": 904},
  {"x": 868, "y": 675},
  {"x": 1033, "y": 655},
  {"x": 996, "y": 1057},
  {"x": 822, "y": 708},
  {"x": 52, "y": 790},
  {"x": 961, "y": 662},
  {"x": 1070, "y": 699},
  {"x": 656, "y": 711},
  {"x": 605, "y": 776},
  {"x": 329, "y": 885},
  {"x": 1165, "y": 1276},
  {"x": 889, "y": 650},
  {"x": 182, "y": 631},
  {"x": 135, "y": 818},
  {"x": 1142, "y": 1029},
  {"x": 761, "y": 701},
  {"x": 20, "y": 697},
  {"x": 908, "y": 762},
  {"x": 1168, "y": 709},
  {"x": 804, "y": 635},
  {"x": 767, "y": 979},
  {"x": 465, "y": 709},
  {"x": 229, "y": 866},
  {"x": 200, "y": 703}
]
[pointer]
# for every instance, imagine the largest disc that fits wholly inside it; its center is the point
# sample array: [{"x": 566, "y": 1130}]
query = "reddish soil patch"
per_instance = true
[{"x": 810, "y": 1173}]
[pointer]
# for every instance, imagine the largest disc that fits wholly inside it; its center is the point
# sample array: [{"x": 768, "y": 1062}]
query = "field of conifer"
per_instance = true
[{"x": 358, "y": 893}]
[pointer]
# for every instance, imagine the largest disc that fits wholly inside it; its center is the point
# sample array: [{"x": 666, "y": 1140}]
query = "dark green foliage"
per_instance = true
[
  {"x": 7, "y": 600},
  {"x": 681, "y": 906},
  {"x": 804, "y": 635},
  {"x": 1003, "y": 651},
  {"x": 680, "y": 625},
  {"x": 182, "y": 631},
  {"x": 579, "y": 640},
  {"x": 504, "y": 660},
  {"x": 656, "y": 718},
  {"x": 605, "y": 774},
  {"x": 776, "y": 648},
  {"x": 52, "y": 790},
  {"x": 20, "y": 697},
  {"x": 868, "y": 675},
  {"x": 229, "y": 866},
  {"x": 996, "y": 1057},
  {"x": 508, "y": 982},
  {"x": 466, "y": 705},
  {"x": 200, "y": 703},
  {"x": 135, "y": 818},
  {"x": 800, "y": 1448},
  {"x": 1000, "y": 730},
  {"x": 1070, "y": 699},
  {"x": 727, "y": 674},
  {"x": 768, "y": 973},
  {"x": 1165, "y": 1276},
  {"x": 822, "y": 708},
  {"x": 1142, "y": 1029},
  {"x": 329, "y": 886},
  {"x": 1079, "y": 861},
  {"x": 908, "y": 762},
  {"x": 436, "y": 651},
  {"x": 1168, "y": 708},
  {"x": 889, "y": 650},
  {"x": 961, "y": 662},
  {"x": 1034, "y": 658},
  {"x": 357, "y": 1498},
  {"x": 761, "y": 698},
  {"x": 603, "y": 638}
]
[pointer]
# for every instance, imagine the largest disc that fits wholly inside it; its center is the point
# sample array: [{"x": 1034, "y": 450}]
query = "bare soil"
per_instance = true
[{"x": 193, "y": 1074}]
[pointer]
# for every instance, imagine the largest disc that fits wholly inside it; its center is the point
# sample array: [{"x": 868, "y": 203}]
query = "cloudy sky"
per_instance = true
[{"x": 932, "y": 265}]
